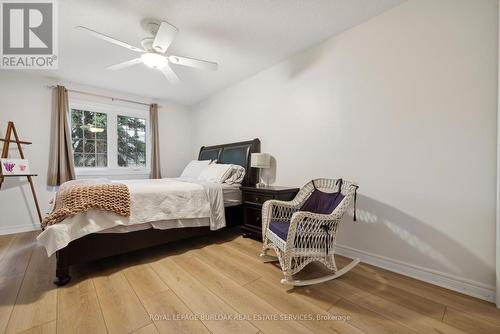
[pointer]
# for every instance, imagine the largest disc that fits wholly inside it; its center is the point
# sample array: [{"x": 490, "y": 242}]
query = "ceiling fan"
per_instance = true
[{"x": 153, "y": 50}]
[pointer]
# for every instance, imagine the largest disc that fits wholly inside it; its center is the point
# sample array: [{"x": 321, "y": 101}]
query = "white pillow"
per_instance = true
[
  {"x": 217, "y": 173},
  {"x": 237, "y": 175},
  {"x": 194, "y": 168}
]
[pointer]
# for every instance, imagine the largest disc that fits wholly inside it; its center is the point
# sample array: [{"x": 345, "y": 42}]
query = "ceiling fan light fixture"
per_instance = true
[
  {"x": 154, "y": 60},
  {"x": 152, "y": 53}
]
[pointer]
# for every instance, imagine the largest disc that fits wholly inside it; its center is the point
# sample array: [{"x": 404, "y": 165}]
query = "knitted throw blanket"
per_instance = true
[{"x": 81, "y": 195}]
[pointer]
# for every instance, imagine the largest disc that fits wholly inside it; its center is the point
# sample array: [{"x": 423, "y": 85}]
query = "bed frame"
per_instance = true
[{"x": 100, "y": 245}]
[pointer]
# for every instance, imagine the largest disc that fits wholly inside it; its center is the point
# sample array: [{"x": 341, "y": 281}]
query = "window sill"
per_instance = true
[{"x": 111, "y": 172}]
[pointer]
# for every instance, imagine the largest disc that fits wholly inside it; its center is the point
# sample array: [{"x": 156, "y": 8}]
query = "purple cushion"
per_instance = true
[
  {"x": 321, "y": 202},
  {"x": 280, "y": 228}
]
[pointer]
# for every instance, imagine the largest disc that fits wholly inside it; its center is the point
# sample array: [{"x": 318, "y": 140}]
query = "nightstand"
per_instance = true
[{"x": 253, "y": 198}]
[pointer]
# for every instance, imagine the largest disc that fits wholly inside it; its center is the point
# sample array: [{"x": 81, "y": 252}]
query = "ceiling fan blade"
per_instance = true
[
  {"x": 170, "y": 75},
  {"x": 164, "y": 37},
  {"x": 201, "y": 64},
  {"x": 109, "y": 39},
  {"x": 125, "y": 64}
]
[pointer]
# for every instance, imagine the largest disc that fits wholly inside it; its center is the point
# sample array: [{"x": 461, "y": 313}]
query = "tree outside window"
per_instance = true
[{"x": 131, "y": 142}]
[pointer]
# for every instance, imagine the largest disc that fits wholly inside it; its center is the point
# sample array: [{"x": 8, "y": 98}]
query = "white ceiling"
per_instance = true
[{"x": 243, "y": 36}]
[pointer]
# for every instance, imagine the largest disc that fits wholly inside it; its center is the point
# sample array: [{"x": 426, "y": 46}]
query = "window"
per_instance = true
[
  {"x": 131, "y": 141},
  {"x": 89, "y": 136},
  {"x": 109, "y": 140}
]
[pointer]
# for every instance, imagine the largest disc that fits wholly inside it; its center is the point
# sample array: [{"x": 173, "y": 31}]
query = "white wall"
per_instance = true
[
  {"x": 405, "y": 104},
  {"x": 498, "y": 180},
  {"x": 26, "y": 100}
]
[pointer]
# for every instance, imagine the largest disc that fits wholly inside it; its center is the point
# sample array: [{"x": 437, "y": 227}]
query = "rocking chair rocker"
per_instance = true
[{"x": 304, "y": 230}]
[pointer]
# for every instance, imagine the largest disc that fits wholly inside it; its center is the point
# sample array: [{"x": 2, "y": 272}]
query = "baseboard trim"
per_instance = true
[
  {"x": 18, "y": 229},
  {"x": 448, "y": 281}
]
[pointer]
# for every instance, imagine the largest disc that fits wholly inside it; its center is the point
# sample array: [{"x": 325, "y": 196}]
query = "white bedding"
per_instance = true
[
  {"x": 231, "y": 194},
  {"x": 161, "y": 204}
]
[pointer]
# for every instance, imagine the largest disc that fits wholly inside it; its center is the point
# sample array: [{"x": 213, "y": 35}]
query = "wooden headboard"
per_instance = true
[{"x": 234, "y": 153}]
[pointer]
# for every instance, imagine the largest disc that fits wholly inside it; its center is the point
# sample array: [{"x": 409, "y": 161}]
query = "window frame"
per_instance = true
[{"x": 112, "y": 112}]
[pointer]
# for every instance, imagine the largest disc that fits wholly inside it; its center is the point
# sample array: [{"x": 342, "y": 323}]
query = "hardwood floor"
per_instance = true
[{"x": 218, "y": 284}]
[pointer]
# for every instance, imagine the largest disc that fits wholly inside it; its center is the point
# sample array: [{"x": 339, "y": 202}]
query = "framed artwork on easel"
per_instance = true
[{"x": 15, "y": 166}]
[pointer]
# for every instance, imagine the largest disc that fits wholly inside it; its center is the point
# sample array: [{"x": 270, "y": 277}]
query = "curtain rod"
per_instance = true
[{"x": 104, "y": 96}]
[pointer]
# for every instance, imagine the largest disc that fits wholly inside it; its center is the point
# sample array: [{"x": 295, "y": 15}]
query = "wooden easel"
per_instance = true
[{"x": 5, "y": 152}]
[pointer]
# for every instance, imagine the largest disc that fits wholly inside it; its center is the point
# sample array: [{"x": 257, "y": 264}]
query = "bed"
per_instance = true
[{"x": 95, "y": 246}]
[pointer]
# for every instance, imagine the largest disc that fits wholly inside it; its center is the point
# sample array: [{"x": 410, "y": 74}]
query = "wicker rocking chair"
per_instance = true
[{"x": 301, "y": 237}]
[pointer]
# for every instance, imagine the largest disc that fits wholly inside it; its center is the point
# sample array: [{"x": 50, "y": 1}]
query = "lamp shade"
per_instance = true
[{"x": 260, "y": 160}]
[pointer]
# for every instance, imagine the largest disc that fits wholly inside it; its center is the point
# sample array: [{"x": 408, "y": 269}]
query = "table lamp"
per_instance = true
[{"x": 260, "y": 161}]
